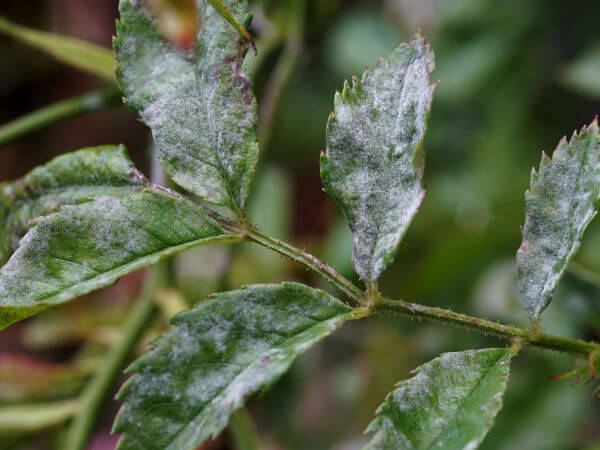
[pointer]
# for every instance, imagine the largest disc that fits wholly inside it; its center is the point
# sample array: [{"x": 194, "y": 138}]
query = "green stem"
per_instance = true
[
  {"x": 283, "y": 71},
  {"x": 326, "y": 271},
  {"x": 98, "y": 387},
  {"x": 41, "y": 118},
  {"x": 243, "y": 432},
  {"x": 531, "y": 338}
]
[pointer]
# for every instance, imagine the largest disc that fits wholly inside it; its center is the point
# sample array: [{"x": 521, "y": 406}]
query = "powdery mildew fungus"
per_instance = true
[
  {"x": 84, "y": 247},
  {"x": 200, "y": 107},
  {"x": 218, "y": 354},
  {"x": 559, "y": 205},
  {"x": 371, "y": 165},
  {"x": 67, "y": 179},
  {"x": 451, "y": 402}
]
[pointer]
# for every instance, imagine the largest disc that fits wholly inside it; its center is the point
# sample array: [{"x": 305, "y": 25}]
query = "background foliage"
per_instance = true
[{"x": 515, "y": 77}]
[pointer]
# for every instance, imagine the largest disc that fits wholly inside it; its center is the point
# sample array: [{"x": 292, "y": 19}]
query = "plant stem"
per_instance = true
[
  {"x": 98, "y": 387},
  {"x": 283, "y": 71},
  {"x": 326, "y": 271},
  {"x": 243, "y": 432},
  {"x": 531, "y": 338},
  {"x": 48, "y": 115}
]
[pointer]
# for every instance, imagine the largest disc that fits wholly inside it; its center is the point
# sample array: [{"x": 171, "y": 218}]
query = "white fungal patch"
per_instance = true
[
  {"x": 450, "y": 403},
  {"x": 372, "y": 138},
  {"x": 559, "y": 205}
]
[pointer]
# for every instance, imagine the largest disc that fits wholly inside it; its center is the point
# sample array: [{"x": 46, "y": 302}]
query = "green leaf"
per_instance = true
[
  {"x": 88, "y": 246},
  {"x": 583, "y": 74},
  {"x": 67, "y": 179},
  {"x": 559, "y": 205},
  {"x": 75, "y": 52},
  {"x": 372, "y": 166},
  {"x": 450, "y": 403},
  {"x": 200, "y": 106},
  {"x": 216, "y": 356},
  {"x": 225, "y": 12}
]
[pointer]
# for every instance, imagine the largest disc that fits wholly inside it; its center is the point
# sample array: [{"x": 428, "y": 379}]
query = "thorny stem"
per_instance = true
[
  {"x": 380, "y": 304},
  {"x": 41, "y": 118}
]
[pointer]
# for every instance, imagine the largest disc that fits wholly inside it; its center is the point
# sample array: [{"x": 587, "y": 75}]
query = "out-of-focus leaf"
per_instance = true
[
  {"x": 216, "y": 356},
  {"x": 66, "y": 180},
  {"x": 200, "y": 107},
  {"x": 450, "y": 403},
  {"x": 337, "y": 247},
  {"x": 373, "y": 163},
  {"x": 83, "y": 55},
  {"x": 559, "y": 205},
  {"x": 23, "y": 378},
  {"x": 177, "y": 20},
  {"x": 583, "y": 74},
  {"x": 92, "y": 321},
  {"x": 34, "y": 417},
  {"x": 356, "y": 37},
  {"x": 84, "y": 247}
]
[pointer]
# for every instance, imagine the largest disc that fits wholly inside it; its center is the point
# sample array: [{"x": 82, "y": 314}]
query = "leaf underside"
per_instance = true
[
  {"x": 450, "y": 403},
  {"x": 216, "y": 355},
  {"x": 200, "y": 106},
  {"x": 67, "y": 179},
  {"x": 372, "y": 165},
  {"x": 559, "y": 205},
  {"x": 88, "y": 246}
]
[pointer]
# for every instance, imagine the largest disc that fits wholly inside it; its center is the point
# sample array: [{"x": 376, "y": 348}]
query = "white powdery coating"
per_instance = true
[
  {"x": 87, "y": 246},
  {"x": 559, "y": 205},
  {"x": 450, "y": 403},
  {"x": 369, "y": 166},
  {"x": 200, "y": 108},
  {"x": 216, "y": 356}
]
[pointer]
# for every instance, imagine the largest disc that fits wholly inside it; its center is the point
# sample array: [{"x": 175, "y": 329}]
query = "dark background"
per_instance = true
[{"x": 515, "y": 76}]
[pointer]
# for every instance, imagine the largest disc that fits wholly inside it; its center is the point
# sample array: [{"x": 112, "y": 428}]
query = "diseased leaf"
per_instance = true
[
  {"x": 225, "y": 12},
  {"x": 450, "y": 403},
  {"x": 84, "y": 247},
  {"x": 200, "y": 107},
  {"x": 67, "y": 179},
  {"x": 75, "y": 52},
  {"x": 372, "y": 166},
  {"x": 559, "y": 205},
  {"x": 216, "y": 356}
]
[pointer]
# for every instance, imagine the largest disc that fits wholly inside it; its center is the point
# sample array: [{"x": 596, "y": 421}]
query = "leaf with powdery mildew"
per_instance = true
[
  {"x": 216, "y": 355},
  {"x": 373, "y": 163},
  {"x": 450, "y": 403},
  {"x": 88, "y": 246},
  {"x": 67, "y": 179},
  {"x": 200, "y": 106},
  {"x": 559, "y": 205}
]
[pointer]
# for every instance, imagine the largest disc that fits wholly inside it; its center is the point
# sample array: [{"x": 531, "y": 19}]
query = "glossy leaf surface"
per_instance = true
[
  {"x": 84, "y": 247},
  {"x": 559, "y": 205},
  {"x": 216, "y": 356},
  {"x": 372, "y": 166},
  {"x": 67, "y": 179},
  {"x": 199, "y": 106},
  {"x": 450, "y": 403}
]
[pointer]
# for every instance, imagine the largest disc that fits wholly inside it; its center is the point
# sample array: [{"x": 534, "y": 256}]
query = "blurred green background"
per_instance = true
[{"x": 515, "y": 76}]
